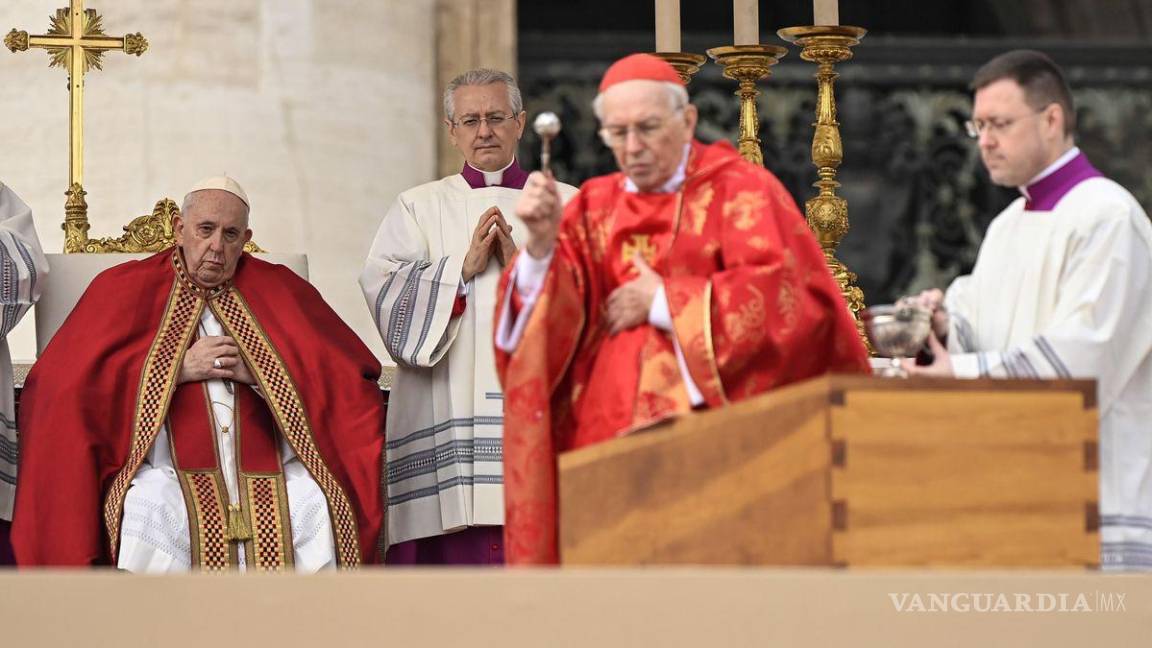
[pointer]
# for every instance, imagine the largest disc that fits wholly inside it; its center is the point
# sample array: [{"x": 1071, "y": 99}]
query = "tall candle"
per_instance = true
[
  {"x": 746, "y": 22},
  {"x": 825, "y": 12},
  {"x": 667, "y": 25}
]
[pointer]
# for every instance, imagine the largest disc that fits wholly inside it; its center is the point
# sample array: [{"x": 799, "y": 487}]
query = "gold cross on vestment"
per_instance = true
[
  {"x": 76, "y": 42},
  {"x": 638, "y": 243}
]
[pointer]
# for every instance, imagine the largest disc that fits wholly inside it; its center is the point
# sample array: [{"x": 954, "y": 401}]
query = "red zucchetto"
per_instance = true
[{"x": 636, "y": 67}]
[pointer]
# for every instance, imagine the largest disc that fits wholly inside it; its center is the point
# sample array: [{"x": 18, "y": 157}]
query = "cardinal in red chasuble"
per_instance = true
[{"x": 688, "y": 280}]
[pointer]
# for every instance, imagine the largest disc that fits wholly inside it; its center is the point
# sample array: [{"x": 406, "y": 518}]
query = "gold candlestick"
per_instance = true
[
  {"x": 75, "y": 219},
  {"x": 827, "y": 213},
  {"x": 685, "y": 63},
  {"x": 748, "y": 64}
]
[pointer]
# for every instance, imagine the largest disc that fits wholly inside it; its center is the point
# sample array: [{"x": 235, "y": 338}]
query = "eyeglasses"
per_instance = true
[
  {"x": 472, "y": 122},
  {"x": 616, "y": 136},
  {"x": 994, "y": 126}
]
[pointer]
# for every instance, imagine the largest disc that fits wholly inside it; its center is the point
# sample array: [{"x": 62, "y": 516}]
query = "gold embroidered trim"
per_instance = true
[
  {"x": 207, "y": 519},
  {"x": 189, "y": 284},
  {"x": 265, "y": 500},
  {"x": 709, "y": 349},
  {"x": 157, "y": 383},
  {"x": 284, "y": 401},
  {"x": 194, "y": 503}
]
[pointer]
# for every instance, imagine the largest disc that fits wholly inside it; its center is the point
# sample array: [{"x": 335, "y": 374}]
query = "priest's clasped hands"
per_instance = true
[
  {"x": 214, "y": 357},
  {"x": 492, "y": 237}
]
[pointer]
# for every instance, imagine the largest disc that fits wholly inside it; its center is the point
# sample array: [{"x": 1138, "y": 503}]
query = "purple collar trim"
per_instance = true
[
  {"x": 514, "y": 177},
  {"x": 1044, "y": 194}
]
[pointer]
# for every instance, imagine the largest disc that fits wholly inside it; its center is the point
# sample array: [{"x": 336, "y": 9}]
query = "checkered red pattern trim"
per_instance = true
[
  {"x": 284, "y": 401},
  {"x": 271, "y": 546},
  {"x": 211, "y": 522},
  {"x": 156, "y": 385}
]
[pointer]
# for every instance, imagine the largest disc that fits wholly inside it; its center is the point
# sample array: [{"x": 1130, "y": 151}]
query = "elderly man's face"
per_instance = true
[
  {"x": 646, "y": 133},
  {"x": 485, "y": 130},
  {"x": 211, "y": 234}
]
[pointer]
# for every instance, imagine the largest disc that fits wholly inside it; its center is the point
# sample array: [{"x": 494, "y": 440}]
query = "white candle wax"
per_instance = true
[
  {"x": 825, "y": 12},
  {"x": 746, "y": 22},
  {"x": 667, "y": 25}
]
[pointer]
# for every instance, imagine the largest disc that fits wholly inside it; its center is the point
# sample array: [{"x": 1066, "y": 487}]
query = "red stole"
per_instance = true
[{"x": 261, "y": 519}]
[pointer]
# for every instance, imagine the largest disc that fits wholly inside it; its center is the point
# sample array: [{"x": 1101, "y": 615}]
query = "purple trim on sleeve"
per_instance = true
[{"x": 1044, "y": 194}]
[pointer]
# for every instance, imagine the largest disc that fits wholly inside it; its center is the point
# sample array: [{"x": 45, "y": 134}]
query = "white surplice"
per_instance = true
[
  {"x": 154, "y": 535},
  {"x": 1067, "y": 293},
  {"x": 445, "y": 428},
  {"x": 23, "y": 267}
]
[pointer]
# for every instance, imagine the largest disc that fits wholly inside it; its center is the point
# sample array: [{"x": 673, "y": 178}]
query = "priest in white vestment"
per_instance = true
[
  {"x": 1062, "y": 286},
  {"x": 22, "y": 271},
  {"x": 430, "y": 281}
]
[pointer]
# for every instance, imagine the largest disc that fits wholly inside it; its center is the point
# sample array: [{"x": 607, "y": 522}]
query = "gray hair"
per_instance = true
[
  {"x": 676, "y": 93},
  {"x": 481, "y": 77}
]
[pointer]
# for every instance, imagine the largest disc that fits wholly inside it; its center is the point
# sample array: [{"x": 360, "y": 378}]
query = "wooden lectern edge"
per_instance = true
[
  {"x": 856, "y": 382},
  {"x": 815, "y": 389},
  {"x": 832, "y": 388}
]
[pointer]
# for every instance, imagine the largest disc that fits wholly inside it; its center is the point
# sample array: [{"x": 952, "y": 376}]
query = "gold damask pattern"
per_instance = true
[
  {"x": 661, "y": 392},
  {"x": 745, "y": 209},
  {"x": 746, "y": 322},
  {"x": 284, "y": 400},
  {"x": 788, "y": 300},
  {"x": 690, "y": 301},
  {"x": 698, "y": 207},
  {"x": 155, "y": 393}
]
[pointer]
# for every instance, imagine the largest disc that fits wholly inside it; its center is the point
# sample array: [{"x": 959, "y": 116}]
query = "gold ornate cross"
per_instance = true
[
  {"x": 76, "y": 42},
  {"x": 638, "y": 243}
]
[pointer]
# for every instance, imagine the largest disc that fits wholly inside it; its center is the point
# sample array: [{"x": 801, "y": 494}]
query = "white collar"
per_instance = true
[
  {"x": 673, "y": 184},
  {"x": 1050, "y": 169},
  {"x": 493, "y": 177}
]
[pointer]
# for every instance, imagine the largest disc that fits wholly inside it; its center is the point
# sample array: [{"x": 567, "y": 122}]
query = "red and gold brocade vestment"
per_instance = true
[{"x": 752, "y": 303}]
